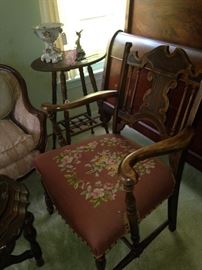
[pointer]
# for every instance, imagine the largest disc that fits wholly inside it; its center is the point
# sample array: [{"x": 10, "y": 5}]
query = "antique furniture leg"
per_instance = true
[
  {"x": 172, "y": 211},
  {"x": 15, "y": 219},
  {"x": 30, "y": 234},
  {"x": 172, "y": 208},
  {"x": 173, "y": 199},
  {"x": 66, "y": 113},
  {"x": 48, "y": 201},
  {"x": 92, "y": 79},
  {"x": 6, "y": 259},
  {"x": 100, "y": 263},
  {"x": 99, "y": 104},
  {"x": 54, "y": 101},
  {"x": 35, "y": 251},
  {"x": 85, "y": 93}
]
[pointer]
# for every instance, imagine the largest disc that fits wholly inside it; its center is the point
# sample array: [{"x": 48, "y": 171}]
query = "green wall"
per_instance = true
[{"x": 19, "y": 46}]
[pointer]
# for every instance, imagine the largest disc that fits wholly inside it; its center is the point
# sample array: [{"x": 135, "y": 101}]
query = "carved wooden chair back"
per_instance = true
[
  {"x": 159, "y": 79},
  {"x": 151, "y": 87}
]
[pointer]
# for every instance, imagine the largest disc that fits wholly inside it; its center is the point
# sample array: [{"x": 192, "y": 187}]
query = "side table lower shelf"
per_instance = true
[{"x": 83, "y": 122}]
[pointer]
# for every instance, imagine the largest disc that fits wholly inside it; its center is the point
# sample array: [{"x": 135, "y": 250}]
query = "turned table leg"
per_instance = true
[
  {"x": 100, "y": 263},
  {"x": 30, "y": 234}
]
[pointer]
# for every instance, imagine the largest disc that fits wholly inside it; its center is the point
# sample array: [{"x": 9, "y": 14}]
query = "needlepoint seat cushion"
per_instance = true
[{"x": 82, "y": 181}]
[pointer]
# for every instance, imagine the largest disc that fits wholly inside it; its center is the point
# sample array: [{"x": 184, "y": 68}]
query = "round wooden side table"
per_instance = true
[
  {"x": 58, "y": 70},
  {"x": 15, "y": 219}
]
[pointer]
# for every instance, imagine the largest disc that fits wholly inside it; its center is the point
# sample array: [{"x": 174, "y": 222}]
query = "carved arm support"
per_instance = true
[
  {"x": 130, "y": 177},
  {"x": 79, "y": 102},
  {"x": 52, "y": 109},
  {"x": 173, "y": 144}
]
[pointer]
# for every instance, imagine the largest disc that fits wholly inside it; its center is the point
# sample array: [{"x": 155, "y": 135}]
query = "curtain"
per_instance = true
[{"x": 49, "y": 13}]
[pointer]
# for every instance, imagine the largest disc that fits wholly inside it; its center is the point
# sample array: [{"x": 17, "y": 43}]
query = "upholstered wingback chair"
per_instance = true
[{"x": 22, "y": 127}]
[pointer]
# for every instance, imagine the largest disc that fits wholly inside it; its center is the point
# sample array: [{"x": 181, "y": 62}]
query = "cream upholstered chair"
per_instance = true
[{"x": 22, "y": 127}]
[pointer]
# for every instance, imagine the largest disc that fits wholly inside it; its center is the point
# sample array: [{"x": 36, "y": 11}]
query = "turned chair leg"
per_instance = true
[
  {"x": 49, "y": 203},
  {"x": 172, "y": 211},
  {"x": 100, "y": 263},
  {"x": 29, "y": 233}
]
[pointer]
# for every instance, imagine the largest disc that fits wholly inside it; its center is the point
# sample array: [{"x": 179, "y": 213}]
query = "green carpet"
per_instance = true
[{"x": 62, "y": 250}]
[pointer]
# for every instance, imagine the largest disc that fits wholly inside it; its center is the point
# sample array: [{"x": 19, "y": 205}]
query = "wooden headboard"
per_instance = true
[{"x": 141, "y": 45}]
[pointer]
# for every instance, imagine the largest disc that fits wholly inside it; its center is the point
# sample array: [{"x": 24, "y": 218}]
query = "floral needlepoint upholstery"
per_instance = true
[
  {"x": 103, "y": 163},
  {"x": 83, "y": 181}
]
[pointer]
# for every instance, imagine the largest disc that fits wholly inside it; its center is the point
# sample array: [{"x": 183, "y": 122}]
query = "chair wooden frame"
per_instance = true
[{"x": 165, "y": 72}]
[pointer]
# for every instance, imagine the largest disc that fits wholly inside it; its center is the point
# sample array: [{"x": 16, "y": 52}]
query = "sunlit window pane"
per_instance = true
[{"x": 98, "y": 20}]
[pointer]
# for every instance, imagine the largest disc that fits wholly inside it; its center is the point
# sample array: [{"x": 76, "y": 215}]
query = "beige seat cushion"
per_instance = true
[
  {"x": 14, "y": 143},
  {"x": 20, "y": 167}
]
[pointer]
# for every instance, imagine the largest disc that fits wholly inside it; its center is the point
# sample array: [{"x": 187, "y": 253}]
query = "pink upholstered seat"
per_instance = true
[{"x": 83, "y": 181}]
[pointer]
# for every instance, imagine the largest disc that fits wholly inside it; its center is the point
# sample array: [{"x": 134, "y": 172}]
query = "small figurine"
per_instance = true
[{"x": 80, "y": 52}]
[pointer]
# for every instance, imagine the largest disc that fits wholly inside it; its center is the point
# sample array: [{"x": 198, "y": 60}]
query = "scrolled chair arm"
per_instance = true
[
  {"x": 48, "y": 107},
  {"x": 174, "y": 144}
]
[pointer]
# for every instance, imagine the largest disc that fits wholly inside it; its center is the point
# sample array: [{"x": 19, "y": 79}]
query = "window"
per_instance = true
[{"x": 98, "y": 20}]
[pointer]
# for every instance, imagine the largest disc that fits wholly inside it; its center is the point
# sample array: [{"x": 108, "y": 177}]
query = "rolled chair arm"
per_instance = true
[
  {"x": 174, "y": 144},
  {"x": 48, "y": 107}
]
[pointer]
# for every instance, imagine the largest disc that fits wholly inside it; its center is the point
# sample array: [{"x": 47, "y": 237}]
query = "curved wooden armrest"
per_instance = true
[
  {"x": 78, "y": 102},
  {"x": 173, "y": 144}
]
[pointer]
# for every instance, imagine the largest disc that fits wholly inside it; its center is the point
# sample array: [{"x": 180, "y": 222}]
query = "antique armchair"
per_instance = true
[
  {"x": 105, "y": 186},
  {"x": 22, "y": 127}
]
